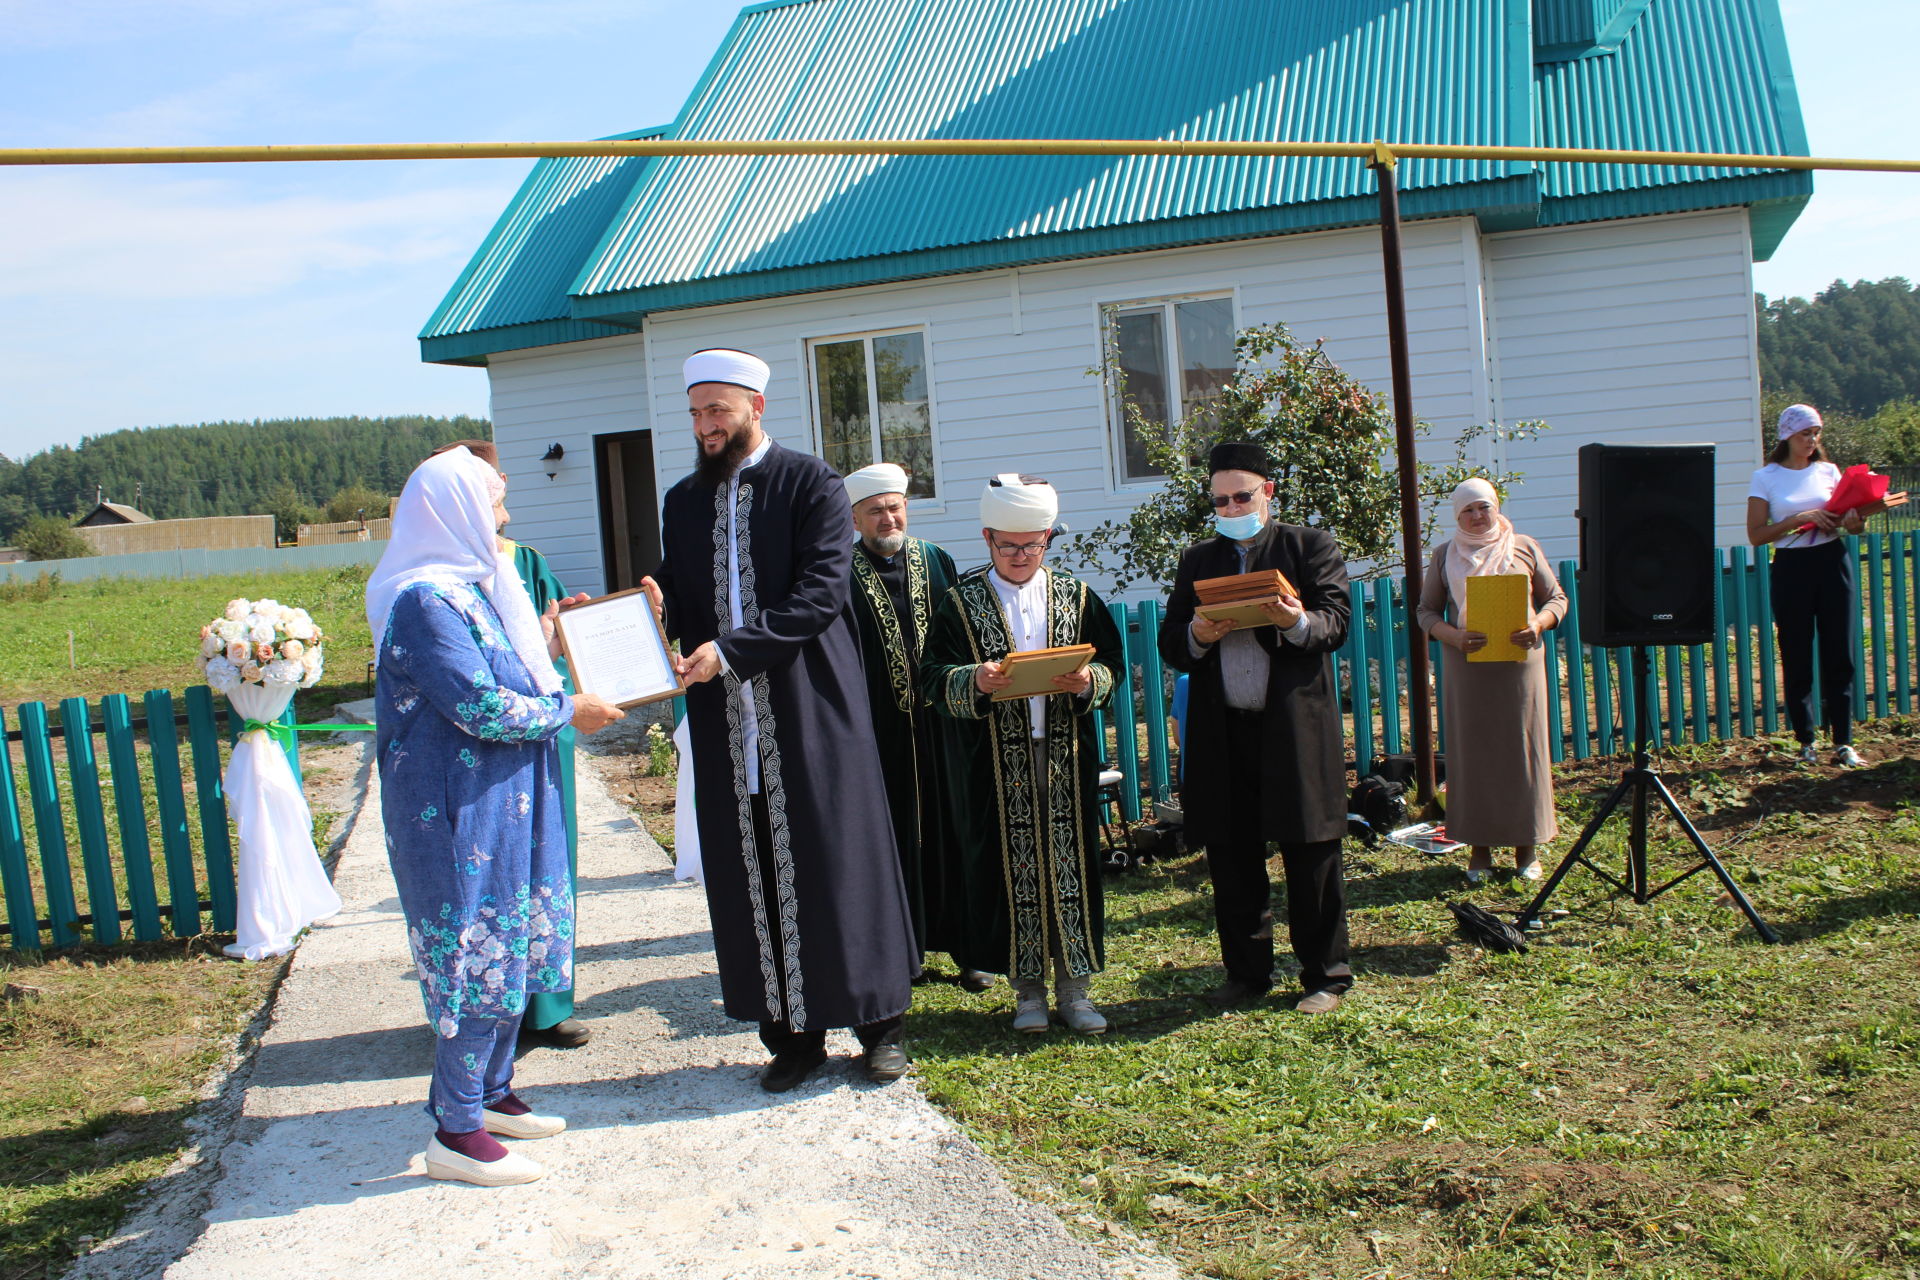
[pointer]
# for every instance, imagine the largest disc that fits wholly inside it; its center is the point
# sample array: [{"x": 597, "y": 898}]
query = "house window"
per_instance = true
[
  {"x": 1175, "y": 356},
  {"x": 870, "y": 396}
]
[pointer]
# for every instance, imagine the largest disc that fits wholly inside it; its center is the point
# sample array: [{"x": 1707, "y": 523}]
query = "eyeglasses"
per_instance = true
[
  {"x": 1020, "y": 550},
  {"x": 1234, "y": 499}
]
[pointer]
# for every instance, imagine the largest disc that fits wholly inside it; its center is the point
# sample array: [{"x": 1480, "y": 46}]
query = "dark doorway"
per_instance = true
[{"x": 629, "y": 508}]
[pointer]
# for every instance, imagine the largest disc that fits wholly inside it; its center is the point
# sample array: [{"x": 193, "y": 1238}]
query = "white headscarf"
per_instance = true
[
  {"x": 1468, "y": 554},
  {"x": 443, "y": 532}
]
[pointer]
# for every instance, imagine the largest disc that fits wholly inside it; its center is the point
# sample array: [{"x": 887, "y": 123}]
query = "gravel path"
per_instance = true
[{"x": 675, "y": 1162}]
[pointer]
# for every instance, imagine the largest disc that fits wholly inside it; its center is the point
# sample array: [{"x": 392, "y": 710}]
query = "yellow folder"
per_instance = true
[{"x": 1497, "y": 606}]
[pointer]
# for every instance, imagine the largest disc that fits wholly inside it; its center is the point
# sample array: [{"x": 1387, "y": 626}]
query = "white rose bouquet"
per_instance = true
[{"x": 261, "y": 642}]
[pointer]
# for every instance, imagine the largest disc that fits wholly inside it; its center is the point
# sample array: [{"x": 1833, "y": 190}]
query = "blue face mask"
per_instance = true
[{"x": 1239, "y": 528}]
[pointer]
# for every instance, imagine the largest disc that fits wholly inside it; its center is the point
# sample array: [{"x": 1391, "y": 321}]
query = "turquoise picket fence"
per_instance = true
[
  {"x": 160, "y": 801},
  {"x": 1697, "y": 693}
]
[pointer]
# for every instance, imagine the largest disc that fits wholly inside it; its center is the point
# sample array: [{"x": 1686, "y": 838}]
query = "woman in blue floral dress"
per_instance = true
[{"x": 468, "y": 704}]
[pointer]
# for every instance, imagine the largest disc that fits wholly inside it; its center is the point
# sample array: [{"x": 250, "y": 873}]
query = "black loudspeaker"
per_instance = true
[{"x": 1646, "y": 544}]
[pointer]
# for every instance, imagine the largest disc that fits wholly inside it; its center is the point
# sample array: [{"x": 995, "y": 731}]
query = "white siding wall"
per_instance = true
[
  {"x": 1632, "y": 332},
  {"x": 565, "y": 395}
]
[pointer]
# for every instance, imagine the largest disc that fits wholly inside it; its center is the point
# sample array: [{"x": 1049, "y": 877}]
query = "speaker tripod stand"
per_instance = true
[{"x": 1636, "y": 785}]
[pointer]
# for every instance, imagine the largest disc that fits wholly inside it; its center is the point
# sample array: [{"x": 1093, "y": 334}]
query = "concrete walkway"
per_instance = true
[{"x": 675, "y": 1162}]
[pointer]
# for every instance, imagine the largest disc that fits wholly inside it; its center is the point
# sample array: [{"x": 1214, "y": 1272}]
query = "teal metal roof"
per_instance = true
[
  {"x": 605, "y": 242},
  {"x": 514, "y": 292}
]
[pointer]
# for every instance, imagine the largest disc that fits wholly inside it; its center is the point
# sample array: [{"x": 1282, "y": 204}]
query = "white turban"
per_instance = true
[
  {"x": 1796, "y": 418},
  {"x": 871, "y": 482},
  {"x": 723, "y": 364},
  {"x": 1014, "y": 503}
]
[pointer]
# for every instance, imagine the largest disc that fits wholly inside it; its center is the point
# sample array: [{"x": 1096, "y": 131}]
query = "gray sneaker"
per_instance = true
[
  {"x": 1030, "y": 1013},
  {"x": 1807, "y": 755},
  {"x": 1079, "y": 1014}
]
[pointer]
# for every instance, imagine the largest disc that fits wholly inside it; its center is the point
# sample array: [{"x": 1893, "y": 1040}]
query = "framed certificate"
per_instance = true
[
  {"x": 1033, "y": 670},
  {"x": 616, "y": 650}
]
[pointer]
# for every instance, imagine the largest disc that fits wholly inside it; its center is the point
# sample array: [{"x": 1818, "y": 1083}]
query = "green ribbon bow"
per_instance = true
[{"x": 282, "y": 732}]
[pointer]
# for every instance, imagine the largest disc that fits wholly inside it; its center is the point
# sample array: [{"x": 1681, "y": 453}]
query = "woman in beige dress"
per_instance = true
[{"x": 1499, "y": 759}]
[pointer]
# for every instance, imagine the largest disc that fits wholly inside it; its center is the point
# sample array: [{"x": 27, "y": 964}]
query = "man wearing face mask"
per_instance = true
[{"x": 1264, "y": 762}]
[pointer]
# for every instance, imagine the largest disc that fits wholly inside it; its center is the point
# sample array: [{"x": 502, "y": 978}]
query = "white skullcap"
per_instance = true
[
  {"x": 1796, "y": 418},
  {"x": 1014, "y": 503},
  {"x": 1472, "y": 490},
  {"x": 871, "y": 482},
  {"x": 723, "y": 364}
]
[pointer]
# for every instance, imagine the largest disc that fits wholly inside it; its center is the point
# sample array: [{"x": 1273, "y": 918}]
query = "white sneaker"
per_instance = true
[
  {"x": 1848, "y": 758},
  {"x": 530, "y": 1125},
  {"x": 1808, "y": 755},
  {"x": 1080, "y": 1015},
  {"x": 1531, "y": 871},
  {"x": 507, "y": 1171}
]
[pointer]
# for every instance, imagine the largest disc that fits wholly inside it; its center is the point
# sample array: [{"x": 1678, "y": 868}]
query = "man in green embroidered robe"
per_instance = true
[
  {"x": 1022, "y": 797},
  {"x": 898, "y": 580}
]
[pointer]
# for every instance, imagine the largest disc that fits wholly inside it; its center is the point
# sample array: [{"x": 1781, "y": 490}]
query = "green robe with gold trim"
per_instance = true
[
  {"x": 1031, "y": 870},
  {"x": 893, "y": 604}
]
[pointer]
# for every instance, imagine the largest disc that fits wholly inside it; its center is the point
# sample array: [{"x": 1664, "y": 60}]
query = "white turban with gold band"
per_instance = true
[
  {"x": 723, "y": 364},
  {"x": 871, "y": 482},
  {"x": 1014, "y": 503}
]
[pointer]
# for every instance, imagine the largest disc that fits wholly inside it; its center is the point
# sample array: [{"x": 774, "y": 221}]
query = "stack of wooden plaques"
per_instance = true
[{"x": 1239, "y": 597}]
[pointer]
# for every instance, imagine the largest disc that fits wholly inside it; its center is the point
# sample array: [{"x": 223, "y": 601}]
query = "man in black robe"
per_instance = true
[
  {"x": 810, "y": 923},
  {"x": 1262, "y": 750},
  {"x": 1023, "y": 782},
  {"x": 898, "y": 580}
]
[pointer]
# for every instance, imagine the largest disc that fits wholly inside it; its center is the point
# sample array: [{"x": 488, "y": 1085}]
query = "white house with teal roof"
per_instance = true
[{"x": 944, "y": 312}]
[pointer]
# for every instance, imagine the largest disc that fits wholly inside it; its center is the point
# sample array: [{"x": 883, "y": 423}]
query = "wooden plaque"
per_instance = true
[{"x": 1033, "y": 670}]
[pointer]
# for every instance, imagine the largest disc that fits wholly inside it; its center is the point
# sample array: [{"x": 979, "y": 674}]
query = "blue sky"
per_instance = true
[{"x": 139, "y": 296}]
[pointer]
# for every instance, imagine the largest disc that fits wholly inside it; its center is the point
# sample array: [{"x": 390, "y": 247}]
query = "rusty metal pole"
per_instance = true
[{"x": 1419, "y": 683}]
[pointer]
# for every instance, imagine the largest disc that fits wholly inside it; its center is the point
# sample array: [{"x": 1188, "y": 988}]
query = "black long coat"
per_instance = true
[
  {"x": 815, "y": 930},
  {"x": 1303, "y": 796}
]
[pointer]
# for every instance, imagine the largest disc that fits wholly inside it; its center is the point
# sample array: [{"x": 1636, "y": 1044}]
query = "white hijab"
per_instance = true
[
  {"x": 1469, "y": 555},
  {"x": 443, "y": 532}
]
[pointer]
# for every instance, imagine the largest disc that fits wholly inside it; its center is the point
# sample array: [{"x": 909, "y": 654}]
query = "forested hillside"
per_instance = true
[
  {"x": 224, "y": 468},
  {"x": 1853, "y": 352}
]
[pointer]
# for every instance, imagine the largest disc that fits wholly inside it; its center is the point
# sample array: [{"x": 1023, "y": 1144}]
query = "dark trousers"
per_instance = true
[
  {"x": 1242, "y": 891},
  {"x": 1812, "y": 591},
  {"x": 777, "y": 1036}
]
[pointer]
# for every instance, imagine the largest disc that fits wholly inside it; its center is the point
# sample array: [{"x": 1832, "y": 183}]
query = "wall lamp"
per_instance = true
[{"x": 550, "y": 460}]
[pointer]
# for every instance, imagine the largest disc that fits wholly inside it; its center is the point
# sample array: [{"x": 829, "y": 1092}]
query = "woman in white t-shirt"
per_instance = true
[{"x": 1812, "y": 583}]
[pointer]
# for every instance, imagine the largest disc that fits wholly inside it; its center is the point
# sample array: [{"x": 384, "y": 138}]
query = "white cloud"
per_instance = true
[{"x": 125, "y": 235}]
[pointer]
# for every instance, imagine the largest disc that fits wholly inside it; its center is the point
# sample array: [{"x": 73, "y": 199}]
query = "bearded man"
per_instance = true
[
  {"x": 810, "y": 922},
  {"x": 898, "y": 581}
]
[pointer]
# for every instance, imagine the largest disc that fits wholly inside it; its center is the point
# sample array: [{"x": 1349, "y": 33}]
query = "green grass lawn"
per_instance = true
[
  {"x": 102, "y": 1058},
  {"x": 134, "y": 634},
  {"x": 1648, "y": 1092}
]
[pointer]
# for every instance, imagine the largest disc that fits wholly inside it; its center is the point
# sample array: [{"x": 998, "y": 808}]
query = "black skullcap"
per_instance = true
[{"x": 1237, "y": 455}]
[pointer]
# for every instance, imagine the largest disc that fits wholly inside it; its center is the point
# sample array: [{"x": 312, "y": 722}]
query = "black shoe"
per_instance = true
[
  {"x": 975, "y": 980},
  {"x": 568, "y": 1033},
  {"x": 886, "y": 1063},
  {"x": 1236, "y": 991},
  {"x": 789, "y": 1069}
]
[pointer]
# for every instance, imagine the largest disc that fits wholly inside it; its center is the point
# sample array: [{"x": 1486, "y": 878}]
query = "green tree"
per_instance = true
[
  {"x": 51, "y": 538},
  {"x": 355, "y": 502},
  {"x": 1327, "y": 436},
  {"x": 289, "y": 509}
]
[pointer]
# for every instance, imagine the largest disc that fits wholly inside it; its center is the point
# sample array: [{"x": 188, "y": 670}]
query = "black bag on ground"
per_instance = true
[
  {"x": 1481, "y": 926},
  {"x": 1375, "y": 806}
]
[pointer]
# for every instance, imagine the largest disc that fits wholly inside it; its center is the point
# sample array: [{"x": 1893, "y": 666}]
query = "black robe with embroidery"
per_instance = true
[
  {"x": 821, "y": 936},
  {"x": 893, "y": 604},
  {"x": 1031, "y": 871}
]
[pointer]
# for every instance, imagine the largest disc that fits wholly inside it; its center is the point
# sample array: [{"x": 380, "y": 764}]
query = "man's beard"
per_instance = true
[
  {"x": 715, "y": 469},
  {"x": 887, "y": 547}
]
